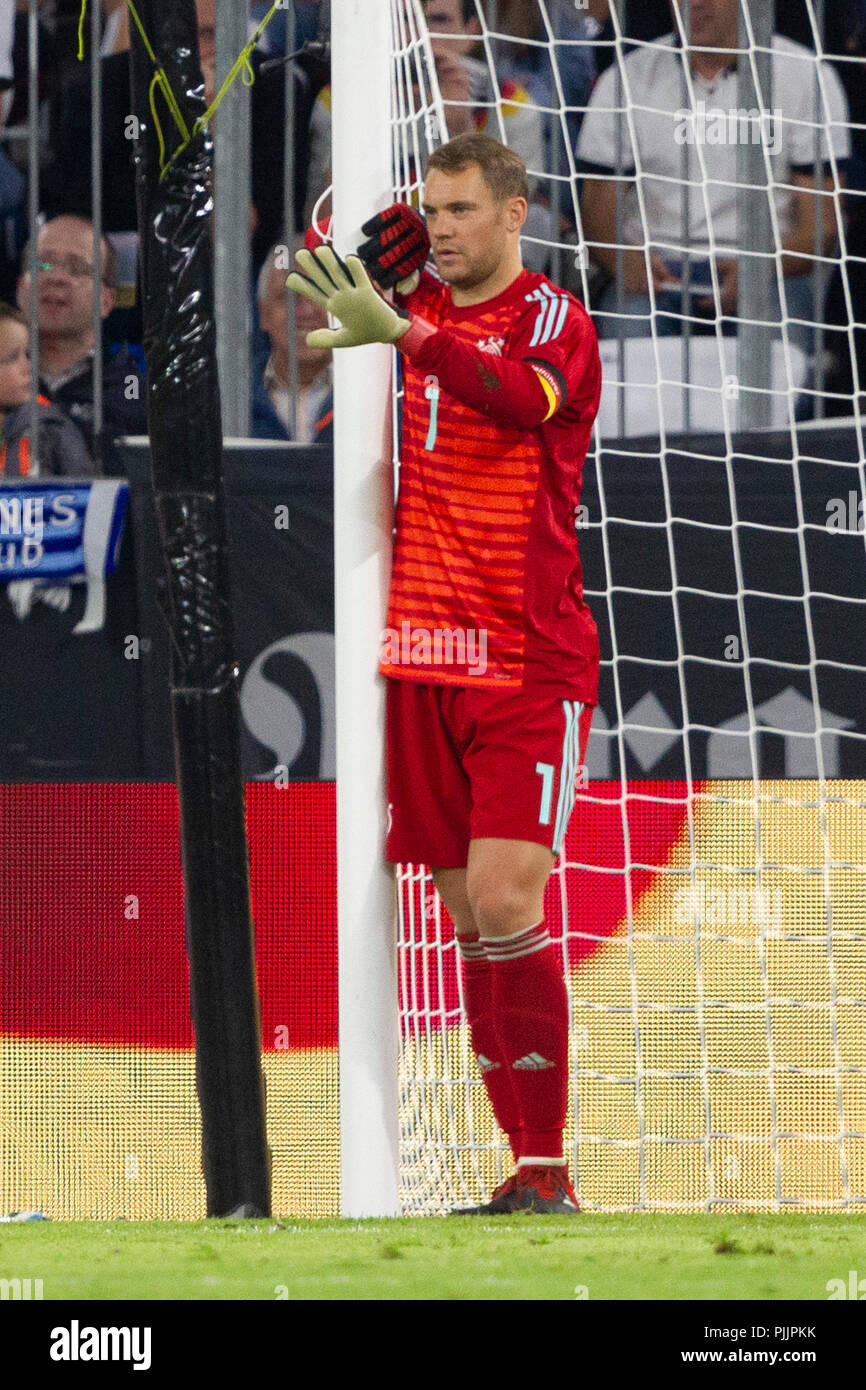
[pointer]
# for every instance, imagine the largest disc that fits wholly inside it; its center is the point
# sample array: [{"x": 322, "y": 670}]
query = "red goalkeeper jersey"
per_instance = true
[{"x": 498, "y": 408}]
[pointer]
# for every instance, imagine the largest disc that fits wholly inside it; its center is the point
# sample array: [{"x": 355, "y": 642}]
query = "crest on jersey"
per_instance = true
[{"x": 494, "y": 345}]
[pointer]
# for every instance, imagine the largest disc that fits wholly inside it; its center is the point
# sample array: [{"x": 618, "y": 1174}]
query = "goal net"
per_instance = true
[{"x": 702, "y": 197}]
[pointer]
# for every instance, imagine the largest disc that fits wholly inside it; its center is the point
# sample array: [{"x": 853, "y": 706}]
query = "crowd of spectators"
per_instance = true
[
  {"x": 611, "y": 158},
  {"x": 593, "y": 173}
]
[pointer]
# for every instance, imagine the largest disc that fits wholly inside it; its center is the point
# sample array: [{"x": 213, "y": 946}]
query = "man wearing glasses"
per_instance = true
[{"x": 66, "y": 336}]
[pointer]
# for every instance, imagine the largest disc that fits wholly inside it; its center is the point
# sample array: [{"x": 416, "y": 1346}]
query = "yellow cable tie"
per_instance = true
[
  {"x": 242, "y": 62},
  {"x": 154, "y": 83},
  {"x": 145, "y": 40}
]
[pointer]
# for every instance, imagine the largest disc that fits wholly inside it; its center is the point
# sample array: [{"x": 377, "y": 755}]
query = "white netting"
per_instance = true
[{"x": 711, "y": 899}]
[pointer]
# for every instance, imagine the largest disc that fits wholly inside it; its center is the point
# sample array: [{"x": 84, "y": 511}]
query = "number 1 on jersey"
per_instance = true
[
  {"x": 545, "y": 772},
  {"x": 431, "y": 392}
]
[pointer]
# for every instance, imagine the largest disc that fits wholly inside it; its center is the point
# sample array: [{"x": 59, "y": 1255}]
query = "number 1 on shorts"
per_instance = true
[{"x": 545, "y": 772}]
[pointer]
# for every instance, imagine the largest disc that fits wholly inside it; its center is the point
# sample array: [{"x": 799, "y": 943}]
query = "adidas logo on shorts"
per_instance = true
[
  {"x": 485, "y": 1063},
  {"x": 533, "y": 1061}
]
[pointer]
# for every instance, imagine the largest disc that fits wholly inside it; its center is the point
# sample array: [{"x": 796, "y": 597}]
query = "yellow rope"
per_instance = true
[
  {"x": 160, "y": 81},
  {"x": 242, "y": 63}
]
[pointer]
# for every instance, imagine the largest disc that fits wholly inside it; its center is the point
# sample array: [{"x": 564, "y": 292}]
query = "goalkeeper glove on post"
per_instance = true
[
  {"x": 397, "y": 249},
  {"x": 347, "y": 292}
]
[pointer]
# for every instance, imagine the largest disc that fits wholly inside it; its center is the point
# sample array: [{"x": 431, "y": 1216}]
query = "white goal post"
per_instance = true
[
  {"x": 711, "y": 898},
  {"x": 363, "y": 493}
]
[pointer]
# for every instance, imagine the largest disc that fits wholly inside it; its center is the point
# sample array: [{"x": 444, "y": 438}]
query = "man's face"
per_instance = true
[
  {"x": 469, "y": 230},
  {"x": 206, "y": 13},
  {"x": 65, "y": 287},
  {"x": 713, "y": 23},
  {"x": 446, "y": 17},
  {"x": 274, "y": 318}
]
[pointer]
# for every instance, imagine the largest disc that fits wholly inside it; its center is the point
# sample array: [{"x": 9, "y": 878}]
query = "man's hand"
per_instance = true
[
  {"x": 397, "y": 247},
  {"x": 635, "y": 277},
  {"x": 728, "y": 289},
  {"x": 662, "y": 277},
  {"x": 455, "y": 86},
  {"x": 346, "y": 291}
]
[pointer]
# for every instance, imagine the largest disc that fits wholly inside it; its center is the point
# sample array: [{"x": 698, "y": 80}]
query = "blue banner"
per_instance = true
[{"x": 61, "y": 532}]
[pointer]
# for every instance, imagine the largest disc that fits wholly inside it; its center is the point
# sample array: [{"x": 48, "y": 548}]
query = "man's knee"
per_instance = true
[{"x": 502, "y": 904}]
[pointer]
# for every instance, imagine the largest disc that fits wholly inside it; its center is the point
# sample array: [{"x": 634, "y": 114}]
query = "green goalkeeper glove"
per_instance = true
[{"x": 345, "y": 289}]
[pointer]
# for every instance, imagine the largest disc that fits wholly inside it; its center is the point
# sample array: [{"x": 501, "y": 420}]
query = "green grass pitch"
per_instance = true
[{"x": 646, "y": 1257}]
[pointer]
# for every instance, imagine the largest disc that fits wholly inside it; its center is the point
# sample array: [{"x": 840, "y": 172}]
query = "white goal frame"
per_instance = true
[{"x": 368, "y": 141}]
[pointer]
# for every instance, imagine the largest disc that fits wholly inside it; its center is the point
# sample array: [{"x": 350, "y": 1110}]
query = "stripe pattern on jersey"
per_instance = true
[
  {"x": 551, "y": 315},
  {"x": 464, "y": 519},
  {"x": 469, "y": 531},
  {"x": 568, "y": 771}
]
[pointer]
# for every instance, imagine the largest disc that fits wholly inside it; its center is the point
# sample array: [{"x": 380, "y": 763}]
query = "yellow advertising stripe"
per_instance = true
[
  {"x": 708, "y": 955},
  {"x": 93, "y": 1132}
]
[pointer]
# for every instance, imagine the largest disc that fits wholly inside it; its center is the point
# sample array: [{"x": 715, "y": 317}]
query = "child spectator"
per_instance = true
[{"x": 61, "y": 451}]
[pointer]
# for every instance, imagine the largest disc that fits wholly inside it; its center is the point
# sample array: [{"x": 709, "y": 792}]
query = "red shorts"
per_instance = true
[{"x": 471, "y": 764}]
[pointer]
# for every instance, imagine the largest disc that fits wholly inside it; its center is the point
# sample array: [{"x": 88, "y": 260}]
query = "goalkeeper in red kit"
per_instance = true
[{"x": 491, "y": 655}]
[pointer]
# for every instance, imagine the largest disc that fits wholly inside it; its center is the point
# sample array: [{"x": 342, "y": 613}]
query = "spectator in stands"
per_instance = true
[
  {"x": 466, "y": 87},
  {"x": 470, "y": 104},
  {"x": 66, "y": 337},
  {"x": 464, "y": 83},
  {"x": 61, "y": 451},
  {"x": 845, "y": 36},
  {"x": 653, "y": 81},
  {"x": 314, "y": 405},
  {"x": 643, "y": 22},
  {"x": 526, "y": 57}
]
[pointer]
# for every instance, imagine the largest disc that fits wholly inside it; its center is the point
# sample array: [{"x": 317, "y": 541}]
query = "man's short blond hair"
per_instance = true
[{"x": 503, "y": 171}]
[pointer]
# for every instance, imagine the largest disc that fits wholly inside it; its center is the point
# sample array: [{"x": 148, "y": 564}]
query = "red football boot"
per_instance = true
[{"x": 544, "y": 1189}]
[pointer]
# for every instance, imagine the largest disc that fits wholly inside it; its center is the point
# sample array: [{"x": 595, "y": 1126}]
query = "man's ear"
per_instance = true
[
  {"x": 109, "y": 299},
  {"x": 516, "y": 213}
]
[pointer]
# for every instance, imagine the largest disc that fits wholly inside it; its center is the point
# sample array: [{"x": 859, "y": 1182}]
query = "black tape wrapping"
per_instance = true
[
  {"x": 186, "y": 452},
  {"x": 192, "y": 532}
]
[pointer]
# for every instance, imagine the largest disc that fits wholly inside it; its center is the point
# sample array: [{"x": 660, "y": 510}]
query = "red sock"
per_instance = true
[
  {"x": 530, "y": 1005},
  {"x": 478, "y": 998}
]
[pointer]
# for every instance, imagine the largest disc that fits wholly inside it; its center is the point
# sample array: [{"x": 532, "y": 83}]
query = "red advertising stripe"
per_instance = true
[
  {"x": 91, "y": 914},
  {"x": 91, "y": 905}
]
